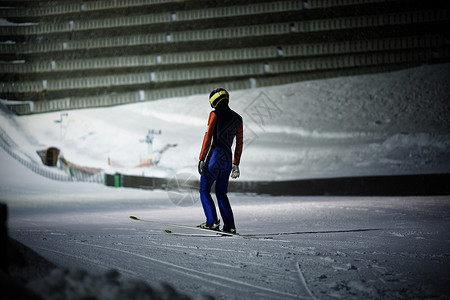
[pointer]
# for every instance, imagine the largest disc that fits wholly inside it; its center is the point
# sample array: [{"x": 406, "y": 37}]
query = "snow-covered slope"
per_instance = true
[{"x": 391, "y": 123}]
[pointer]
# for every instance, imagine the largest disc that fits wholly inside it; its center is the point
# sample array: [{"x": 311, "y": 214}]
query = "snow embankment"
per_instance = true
[{"x": 64, "y": 284}]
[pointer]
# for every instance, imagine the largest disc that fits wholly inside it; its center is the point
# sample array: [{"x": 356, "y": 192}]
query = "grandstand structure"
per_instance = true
[{"x": 72, "y": 54}]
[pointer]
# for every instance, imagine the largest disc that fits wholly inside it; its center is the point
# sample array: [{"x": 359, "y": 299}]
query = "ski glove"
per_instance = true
[
  {"x": 201, "y": 164},
  {"x": 235, "y": 172}
]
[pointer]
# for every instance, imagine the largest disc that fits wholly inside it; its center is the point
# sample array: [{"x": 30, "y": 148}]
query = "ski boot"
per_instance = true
[
  {"x": 214, "y": 226},
  {"x": 231, "y": 230}
]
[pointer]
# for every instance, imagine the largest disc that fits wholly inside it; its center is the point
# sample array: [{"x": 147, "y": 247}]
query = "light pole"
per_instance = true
[{"x": 60, "y": 123}]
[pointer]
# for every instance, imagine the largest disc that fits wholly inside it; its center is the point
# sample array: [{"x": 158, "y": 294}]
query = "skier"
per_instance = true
[{"x": 215, "y": 161}]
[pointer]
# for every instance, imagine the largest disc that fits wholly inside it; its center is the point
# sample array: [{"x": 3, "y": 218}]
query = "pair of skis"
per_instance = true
[{"x": 206, "y": 232}]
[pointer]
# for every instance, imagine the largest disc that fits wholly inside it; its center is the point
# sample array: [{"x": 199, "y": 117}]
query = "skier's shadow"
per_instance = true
[{"x": 316, "y": 232}]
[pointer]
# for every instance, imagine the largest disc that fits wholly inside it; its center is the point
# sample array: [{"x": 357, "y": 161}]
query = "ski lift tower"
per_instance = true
[{"x": 149, "y": 140}]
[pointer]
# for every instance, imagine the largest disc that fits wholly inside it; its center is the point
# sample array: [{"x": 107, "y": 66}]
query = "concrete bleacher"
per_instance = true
[{"x": 80, "y": 54}]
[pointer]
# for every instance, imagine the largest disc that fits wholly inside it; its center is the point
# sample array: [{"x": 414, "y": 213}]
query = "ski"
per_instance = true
[
  {"x": 193, "y": 234},
  {"x": 211, "y": 232},
  {"x": 177, "y": 225},
  {"x": 219, "y": 234}
]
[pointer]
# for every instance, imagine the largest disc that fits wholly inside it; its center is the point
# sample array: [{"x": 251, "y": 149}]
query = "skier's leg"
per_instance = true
[
  {"x": 206, "y": 181},
  {"x": 209, "y": 175},
  {"x": 224, "y": 203},
  {"x": 226, "y": 212}
]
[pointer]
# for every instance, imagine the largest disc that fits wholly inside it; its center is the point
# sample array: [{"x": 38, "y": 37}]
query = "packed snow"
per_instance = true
[{"x": 316, "y": 247}]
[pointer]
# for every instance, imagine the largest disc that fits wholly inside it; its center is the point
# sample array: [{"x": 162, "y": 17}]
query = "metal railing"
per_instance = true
[
  {"x": 225, "y": 55},
  {"x": 342, "y": 60},
  {"x": 85, "y": 6},
  {"x": 149, "y": 19}
]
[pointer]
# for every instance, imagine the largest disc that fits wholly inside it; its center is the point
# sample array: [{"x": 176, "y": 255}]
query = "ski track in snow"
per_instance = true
[
  {"x": 199, "y": 274},
  {"x": 406, "y": 255},
  {"x": 206, "y": 278},
  {"x": 302, "y": 278}
]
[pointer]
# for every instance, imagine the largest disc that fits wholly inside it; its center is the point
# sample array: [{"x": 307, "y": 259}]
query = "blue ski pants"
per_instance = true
[{"x": 218, "y": 170}]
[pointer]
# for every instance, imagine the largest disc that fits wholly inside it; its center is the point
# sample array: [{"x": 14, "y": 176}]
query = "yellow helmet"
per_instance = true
[{"x": 217, "y": 96}]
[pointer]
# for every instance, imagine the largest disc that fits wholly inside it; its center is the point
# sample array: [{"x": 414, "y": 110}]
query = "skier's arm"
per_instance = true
[
  {"x": 239, "y": 144},
  {"x": 208, "y": 136}
]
